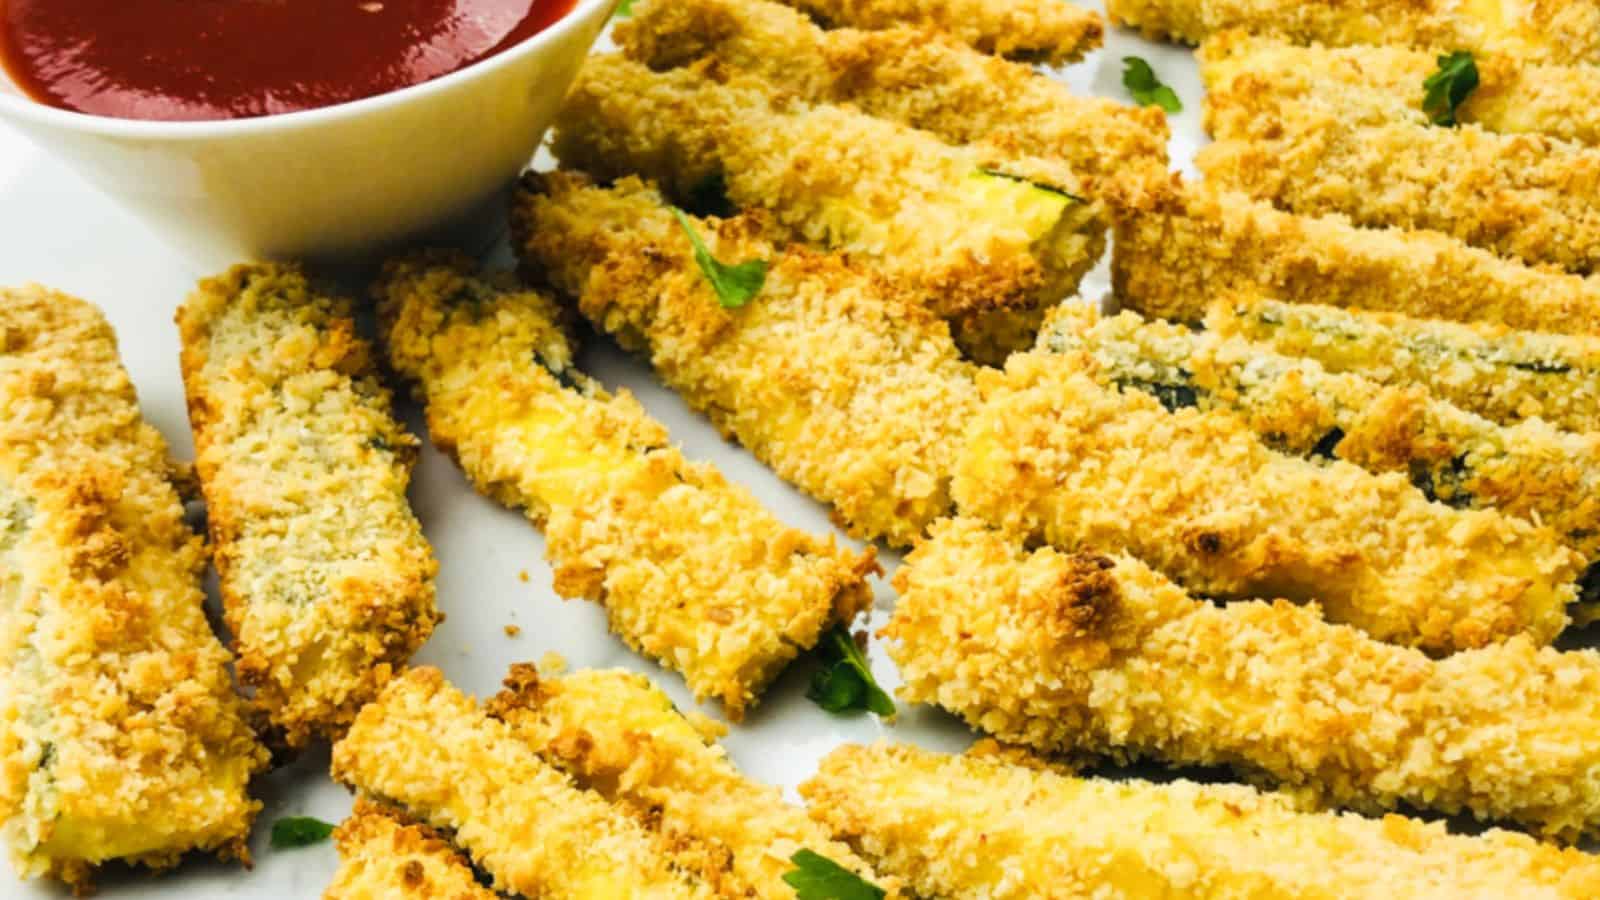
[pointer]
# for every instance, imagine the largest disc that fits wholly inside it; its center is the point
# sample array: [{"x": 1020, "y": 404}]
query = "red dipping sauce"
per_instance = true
[{"x": 234, "y": 59}]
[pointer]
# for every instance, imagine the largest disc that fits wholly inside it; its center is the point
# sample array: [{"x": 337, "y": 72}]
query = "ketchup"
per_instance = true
[{"x": 233, "y": 59}]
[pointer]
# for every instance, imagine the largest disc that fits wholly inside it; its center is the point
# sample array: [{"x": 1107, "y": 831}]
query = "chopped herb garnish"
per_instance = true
[
  {"x": 1172, "y": 396},
  {"x": 299, "y": 831},
  {"x": 624, "y": 10},
  {"x": 1328, "y": 443},
  {"x": 379, "y": 442},
  {"x": 1146, "y": 88},
  {"x": 1449, "y": 87},
  {"x": 845, "y": 683},
  {"x": 816, "y": 877},
  {"x": 1049, "y": 189},
  {"x": 1542, "y": 368},
  {"x": 735, "y": 284}
]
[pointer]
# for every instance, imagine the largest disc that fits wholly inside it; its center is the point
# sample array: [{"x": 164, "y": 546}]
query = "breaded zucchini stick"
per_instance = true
[
  {"x": 327, "y": 581},
  {"x": 1178, "y": 247},
  {"x": 1078, "y": 652},
  {"x": 988, "y": 827},
  {"x": 1295, "y": 405},
  {"x": 1384, "y": 84},
  {"x": 1549, "y": 31},
  {"x": 427, "y": 748},
  {"x": 382, "y": 855},
  {"x": 618, "y": 734},
  {"x": 932, "y": 216},
  {"x": 121, "y": 736},
  {"x": 1521, "y": 195},
  {"x": 1054, "y": 456},
  {"x": 852, "y": 392},
  {"x": 1048, "y": 31},
  {"x": 692, "y": 570},
  {"x": 905, "y": 75},
  {"x": 1502, "y": 374}
]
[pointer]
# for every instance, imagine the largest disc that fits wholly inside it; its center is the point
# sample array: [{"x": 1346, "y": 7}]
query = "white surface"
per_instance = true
[{"x": 57, "y": 230}]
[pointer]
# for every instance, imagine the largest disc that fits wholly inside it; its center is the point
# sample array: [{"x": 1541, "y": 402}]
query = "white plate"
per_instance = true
[{"x": 56, "y": 230}]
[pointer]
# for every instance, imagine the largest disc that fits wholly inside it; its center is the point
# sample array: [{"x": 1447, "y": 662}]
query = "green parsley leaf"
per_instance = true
[
  {"x": 1146, "y": 88},
  {"x": 624, "y": 10},
  {"x": 816, "y": 877},
  {"x": 299, "y": 831},
  {"x": 735, "y": 284},
  {"x": 845, "y": 683},
  {"x": 1039, "y": 185},
  {"x": 1449, "y": 87}
]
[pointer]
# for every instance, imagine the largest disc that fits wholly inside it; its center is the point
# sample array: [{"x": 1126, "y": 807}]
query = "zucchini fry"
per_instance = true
[
  {"x": 428, "y": 749},
  {"x": 1522, "y": 195},
  {"x": 933, "y": 217},
  {"x": 988, "y": 826},
  {"x": 121, "y": 736},
  {"x": 618, "y": 734},
  {"x": 1504, "y": 375},
  {"x": 1083, "y": 653},
  {"x": 1548, "y": 31},
  {"x": 846, "y": 389},
  {"x": 1178, "y": 247},
  {"x": 1385, "y": 84},
  {"x": 384, "y": 856},
  {"x": 1047, "y": 31},
  {"x": 692, "y": 570},
  {"x": 904, "y": 75},
  {"x": 1530, "y": 470},
  {"x": 327, "y": 581},
  {"x": 1054, "y": 456}
]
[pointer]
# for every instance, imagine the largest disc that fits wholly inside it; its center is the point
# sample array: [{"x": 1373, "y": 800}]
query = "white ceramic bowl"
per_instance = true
[{"x": 335, "y": 182}]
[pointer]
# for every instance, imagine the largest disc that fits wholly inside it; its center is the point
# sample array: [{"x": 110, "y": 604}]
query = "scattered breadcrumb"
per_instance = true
[
  {"x": 1055, "y": 456},
  {"x": 691, "y": 569},
  {"x": 1078, "y": 652},
  {"x": 847, "y": 389},
  {"x": 327, "y": 581},
  {"x": 120, "y": 733},
  {"x": 383, "y": 855},
  {"x": 522, "y": 575},
  {"x": 987, "y": 826},
  {"x": 1048, "y": 31},
  {"x": 513, "y": 630}
]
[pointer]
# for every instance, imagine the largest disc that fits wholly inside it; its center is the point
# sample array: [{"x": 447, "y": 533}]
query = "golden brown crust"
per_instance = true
[
  {"x": 383, "y": 855},
  {"x": 1372, "y": 85},
  {"x": 1075, "y": 653},
  {"x": 904, "y": 74},
  {"x": 922, "y": 211},
  {"x": 618, "y": 734},
  {"x": 1549, "y": 31},
  {"x": 428, "y": 749},
  {"x": 692, "y": 570},
  {"x": 326, "y": 579},
  {"x": 988, "y": 826},
  {"x": 1178, "y": 247},
  {"x": 1029, "y": 30},
  {"x": 843, "y": 386},
  {"x": 120, "y": 733},
  {"x": 1055, "y": 456}
]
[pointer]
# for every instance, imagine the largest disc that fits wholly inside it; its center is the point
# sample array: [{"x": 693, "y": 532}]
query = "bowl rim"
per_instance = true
[{"x": 22, "y": 107}]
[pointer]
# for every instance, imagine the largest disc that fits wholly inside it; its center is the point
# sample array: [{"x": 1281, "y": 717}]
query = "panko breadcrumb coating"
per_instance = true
[
  {"x": 986, "y": 826},
  {"x": 1048, "y": 31},
  {"x": 1384, "y": 84},
  {"x": 1054, "y": 456},
  {"x": 843, "y": 386},
  {"x": 1563, "y": 32},
  {"x": 1499, "y": 373},
  {"x": 1531, "y": 470},
  {"x": 936, "y": 218},
  {"x": 1178, "y": 247},
  {"x": 691, "y": 569},
  {"x": 383, "y": 856},
  {"x": 1521, "y": 195},
  {"x": 618, "y": 734},
  {"x": 121, "y": 736},
  {"x": 327, "y": 581},
  {"x": 428, "y": 749},
  {"x": 1084, "y": 653},
  {"x": 905, "y": 75}
]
